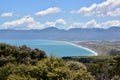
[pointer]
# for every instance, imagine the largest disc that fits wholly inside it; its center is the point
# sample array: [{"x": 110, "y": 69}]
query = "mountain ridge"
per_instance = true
[{"x": 54, "y": 33}]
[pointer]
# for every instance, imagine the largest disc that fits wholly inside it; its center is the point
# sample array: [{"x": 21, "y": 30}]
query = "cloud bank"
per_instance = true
[
  {"x": 95, "y": 24},
  {"x": 28, "y": 22}
]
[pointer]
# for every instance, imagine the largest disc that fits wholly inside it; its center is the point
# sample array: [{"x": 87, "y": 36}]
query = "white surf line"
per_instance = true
[{"x": 81, "y": 47}]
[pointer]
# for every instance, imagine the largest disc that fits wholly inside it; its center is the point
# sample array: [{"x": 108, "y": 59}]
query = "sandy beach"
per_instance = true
[{"x": 74, "y": 44}]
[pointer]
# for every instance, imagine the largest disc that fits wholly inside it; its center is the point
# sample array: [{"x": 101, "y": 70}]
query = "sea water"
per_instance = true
[{"x": 56, "y": 48}]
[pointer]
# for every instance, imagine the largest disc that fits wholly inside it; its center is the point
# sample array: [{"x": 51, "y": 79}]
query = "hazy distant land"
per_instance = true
[
  {"x": 102, "y": 47},
  {"x": 52, "y": 33}
]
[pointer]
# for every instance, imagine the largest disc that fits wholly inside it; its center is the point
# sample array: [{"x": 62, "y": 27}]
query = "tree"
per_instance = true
[
  {"x": 115, "y": 63},
  {"x": 56, "y": 69}
]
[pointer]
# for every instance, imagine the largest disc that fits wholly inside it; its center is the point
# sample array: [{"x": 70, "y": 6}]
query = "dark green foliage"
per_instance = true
[
  {"x": 46, "y": 69},
  {"x": 114, "y": 52},
  {"x": 88, "y": 59},
  {"x": 115, "y": 62},
  {"x": 100, "y": 70},
  {"x": 102, "y": 67},
  {"x": 21, "y": 55}
]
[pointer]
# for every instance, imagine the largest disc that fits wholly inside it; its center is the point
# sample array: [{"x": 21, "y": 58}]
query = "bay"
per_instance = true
[{"x": 57, "y": 48}]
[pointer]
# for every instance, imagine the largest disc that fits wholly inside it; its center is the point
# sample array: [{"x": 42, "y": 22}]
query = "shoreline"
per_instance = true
[
  {"x": 79, "y": 46},
  {"x": 76, "y": 45}
]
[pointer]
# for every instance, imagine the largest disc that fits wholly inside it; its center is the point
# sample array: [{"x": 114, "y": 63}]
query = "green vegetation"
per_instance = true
[
  {"x": 20, "y": 55},
  {"x": 88, "y": 59},
  {"x": 102, "y": 67},
  {"x": 23, "y": 63}
]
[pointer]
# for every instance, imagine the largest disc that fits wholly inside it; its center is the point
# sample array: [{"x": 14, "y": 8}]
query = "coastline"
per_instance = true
[
  {"x": 79, "y": 46},
  {"x": 76, "y": 45}
]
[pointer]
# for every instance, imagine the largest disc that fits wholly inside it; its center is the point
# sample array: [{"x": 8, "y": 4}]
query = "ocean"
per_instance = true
[{"x": 51, "y": 47}]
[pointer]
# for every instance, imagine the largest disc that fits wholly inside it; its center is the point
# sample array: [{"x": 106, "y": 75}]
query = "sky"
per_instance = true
[{"x": 62, "y": 14}]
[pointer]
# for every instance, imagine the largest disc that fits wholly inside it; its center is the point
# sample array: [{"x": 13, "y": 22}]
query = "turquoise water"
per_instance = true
[{"x": 57, "y": 48}]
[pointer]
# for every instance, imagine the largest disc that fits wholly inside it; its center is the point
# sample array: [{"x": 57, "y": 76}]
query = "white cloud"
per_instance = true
[
  {"x": 114, "y": 13},
  {"x": 106, "y": 6},
  {"x": 110, "y": 23},
  {"x": 90, "y": 24},
  {"x": 58, "y": 22},
  {"x": 35, "y": 25},
  {"x": 101, "y": 9},
  {"x": 48, "y": 11},
  {"x": 27, "y": 22},
  {"x": 23, "y": 21},
  {"x": 94, "y": 24},
  {"x": 8, "y": 14},
  {"x": 87, "y": 11},
  {"x": 76, "y": 25}
]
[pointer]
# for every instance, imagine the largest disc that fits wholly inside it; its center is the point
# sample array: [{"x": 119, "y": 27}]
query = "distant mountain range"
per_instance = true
[{"x": 53, "y": 33}]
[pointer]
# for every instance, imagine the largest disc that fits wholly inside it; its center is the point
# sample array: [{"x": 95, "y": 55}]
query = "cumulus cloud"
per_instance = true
[
  {"x": 94, "y": 24},
  {"x": 101, "y": 9},
  {"x": 7, "y": 14},
  {"x": 58, "y": 22},
  {"x": 106, "y": 6},
  {"x": 90, "y": 24},
  {"x": 87, "y": 11},
  {"x": 18, "y": 23},
  {"x": 28, "y": 22},
  {"x": 48, "y": 11},
  {"x": 110, "y": 23}
]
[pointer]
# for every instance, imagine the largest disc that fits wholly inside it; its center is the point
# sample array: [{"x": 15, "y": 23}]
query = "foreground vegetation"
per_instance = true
[
  {"x": 23, "y": 63},
  {"x": 101, "y": 67}
]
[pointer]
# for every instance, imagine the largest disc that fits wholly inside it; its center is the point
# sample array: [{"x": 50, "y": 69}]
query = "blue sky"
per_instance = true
[{"x": 63, "y": 14}]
